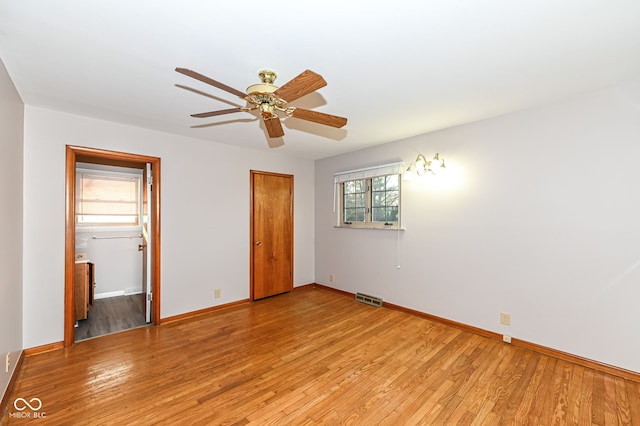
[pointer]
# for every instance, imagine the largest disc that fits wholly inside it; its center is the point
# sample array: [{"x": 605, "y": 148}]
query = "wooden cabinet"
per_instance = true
[{"x": 83, "y": 289}]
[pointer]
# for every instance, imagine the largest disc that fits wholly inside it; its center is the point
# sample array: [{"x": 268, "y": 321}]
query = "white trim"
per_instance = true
[
  {"x": 116, "y": 294},
  {"x": 369, "y": 172},
  {"x": 387, "y": 228},
  {"x": 109, "y": 294}
]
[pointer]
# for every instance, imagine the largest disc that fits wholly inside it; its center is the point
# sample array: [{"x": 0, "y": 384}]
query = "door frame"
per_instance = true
[
  {"x": 115, "y": 158},
  {"x": 252, "y": 173}
]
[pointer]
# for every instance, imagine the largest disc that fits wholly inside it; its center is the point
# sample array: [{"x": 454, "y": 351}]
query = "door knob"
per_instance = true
[{"x": 258, "y": 243}]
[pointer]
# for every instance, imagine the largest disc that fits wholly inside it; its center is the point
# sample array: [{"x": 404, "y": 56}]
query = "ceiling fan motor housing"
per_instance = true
[{"x": 261, "y": 94}]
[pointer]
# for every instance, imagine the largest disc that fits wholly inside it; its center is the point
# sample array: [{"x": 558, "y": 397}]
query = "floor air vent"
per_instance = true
[{"x": 369, "y": 300}]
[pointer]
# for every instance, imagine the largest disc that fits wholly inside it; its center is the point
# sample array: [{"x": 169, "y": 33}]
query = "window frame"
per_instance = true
[
  {"x": 367, "y": 175},
  {"x": 133, "y": 174}
]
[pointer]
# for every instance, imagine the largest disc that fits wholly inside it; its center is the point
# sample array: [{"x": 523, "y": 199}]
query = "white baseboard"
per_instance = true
[
  {"x": 115, "y": 294},
  {"x": 109, "y": 294}
]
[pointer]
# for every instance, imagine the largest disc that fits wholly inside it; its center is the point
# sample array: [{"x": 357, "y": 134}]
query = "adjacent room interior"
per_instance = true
[{"x": 470, "y": 169}]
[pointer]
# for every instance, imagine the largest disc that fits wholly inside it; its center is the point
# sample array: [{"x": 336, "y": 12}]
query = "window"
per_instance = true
[
  {"x": 370, "y": 198},
  {"x": 107, "y": 198}
]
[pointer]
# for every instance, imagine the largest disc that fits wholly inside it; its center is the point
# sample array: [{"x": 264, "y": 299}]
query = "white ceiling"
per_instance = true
[{"x": 395, "y": 69}]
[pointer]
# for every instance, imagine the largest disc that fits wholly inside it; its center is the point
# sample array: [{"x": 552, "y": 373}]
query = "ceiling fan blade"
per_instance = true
[
  {"x": 319, "y": 117},
  {"x": 274, "y": 127},
  {"x": 214, "y": 113},
  {"x": 305, "y": 83},
  {"x": 211, "y": 81}
]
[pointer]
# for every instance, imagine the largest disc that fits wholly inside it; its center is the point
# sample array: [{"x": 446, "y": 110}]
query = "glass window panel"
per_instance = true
[
  {"x": 353, "y": 186},
  {"x": 349, "y": 201},
  {"x": 354, "y": 215},
  {"x": 378, "y": 214},
  {"x": 381, "y": 194},
  {"x": 391, "y": 198},
  {"x": 378, "y": 183},
  {"x": 349, "y": 215},
  {"x": 107, "y": 199},
  {"x": 392, "y": 183},
  {"x": 392, "y": 214}
]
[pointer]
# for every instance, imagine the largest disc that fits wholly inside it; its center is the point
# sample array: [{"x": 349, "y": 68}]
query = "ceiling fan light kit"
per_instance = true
[{"x": 268, "y": 98}]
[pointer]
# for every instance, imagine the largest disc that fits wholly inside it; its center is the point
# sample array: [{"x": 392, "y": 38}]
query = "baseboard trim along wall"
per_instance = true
[
  {"x": 575, "y": 359},
  {"x": 44, "y": 348},
  {"x": 108, "y": 294},
  {"x": 192, "y": 314}
]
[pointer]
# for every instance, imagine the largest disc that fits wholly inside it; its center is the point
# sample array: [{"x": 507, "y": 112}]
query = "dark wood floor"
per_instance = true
[
  {"x": 315, "y": 357},
  {"x": 111, "y": 315}
]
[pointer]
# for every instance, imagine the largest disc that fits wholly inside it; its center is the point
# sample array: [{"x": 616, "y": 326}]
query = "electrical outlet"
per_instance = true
[
  {"x": 506, "y": 339},
  {"x": 505, "y": 318},
  {"x": 216, "y": 293},
  {"x": 332, "y": 278},
  {"x": 7, "y": 363}
]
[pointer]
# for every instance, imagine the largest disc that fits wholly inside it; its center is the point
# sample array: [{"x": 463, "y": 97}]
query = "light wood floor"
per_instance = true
[{"x": 315, "y": 357}]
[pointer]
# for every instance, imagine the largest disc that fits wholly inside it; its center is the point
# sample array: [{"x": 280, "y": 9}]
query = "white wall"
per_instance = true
[
  {"x": 204, "y": 215},
  {"x": 118, "y": 263},
  {"x": 11, "y": 137},
  {"x": 538, "y": 215}
]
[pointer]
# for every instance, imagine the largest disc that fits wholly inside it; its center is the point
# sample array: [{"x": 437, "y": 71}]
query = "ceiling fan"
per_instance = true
[{"x": 268, "y": 98}]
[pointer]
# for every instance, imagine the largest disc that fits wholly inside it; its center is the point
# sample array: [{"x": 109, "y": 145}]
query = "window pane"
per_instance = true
[
  {"x": 392, "y": 214},
  {"x": 378, "y": 214},
  {"x": 349, "y": 215},
  {"x": 391, "y": 183},
  {"x": 354, "y": 200},
  {"x": 107, "y": 199},
  {"x": 378, "y": 183},
  {"x": 391, "y": 198},
  {"x": 354, "y": 215},
  {"x": 384, "y": 198},
  {"x": 374, "y": 200},
  {"x": 349, "y": 201}
]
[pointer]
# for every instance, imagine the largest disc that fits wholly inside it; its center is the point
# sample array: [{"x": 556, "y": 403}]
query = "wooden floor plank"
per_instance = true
[
  {"x": 574, "y": 397},
  {"x": 562, "y": 380},
  {"x": 633, "y": 396},
  {"x": 622, "y": 409},
  {"x": 598, "y": 399},
  {"x": 314, "y": 357}
]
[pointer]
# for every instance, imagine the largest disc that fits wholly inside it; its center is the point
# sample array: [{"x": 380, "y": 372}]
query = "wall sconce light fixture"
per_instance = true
[{"x": 421, "y": 166}]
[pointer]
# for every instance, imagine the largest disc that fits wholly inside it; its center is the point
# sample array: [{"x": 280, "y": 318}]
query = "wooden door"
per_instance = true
[
  {"x": 271, "y": 234},
  {"x": 146, "y": 241}
]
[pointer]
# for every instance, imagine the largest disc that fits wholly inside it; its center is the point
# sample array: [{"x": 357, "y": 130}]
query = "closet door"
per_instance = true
[{"x": 271, "y": 234}]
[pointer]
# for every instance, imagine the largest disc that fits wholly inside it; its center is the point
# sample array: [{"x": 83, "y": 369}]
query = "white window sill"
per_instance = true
[{"x": 370, "y": 228}]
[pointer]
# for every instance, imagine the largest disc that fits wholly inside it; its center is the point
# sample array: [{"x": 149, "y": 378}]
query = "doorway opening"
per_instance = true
[{"x": 84, "y": 306}]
